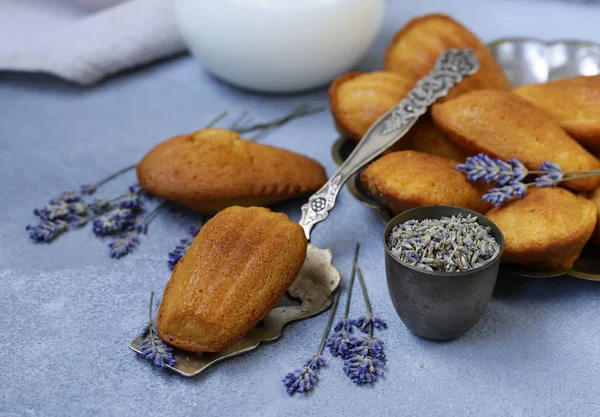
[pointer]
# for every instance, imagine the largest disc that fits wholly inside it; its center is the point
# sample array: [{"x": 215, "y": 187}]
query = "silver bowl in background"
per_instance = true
[
  {"x": 440, "y": 305},
  {"x": 529, "y": 61}
]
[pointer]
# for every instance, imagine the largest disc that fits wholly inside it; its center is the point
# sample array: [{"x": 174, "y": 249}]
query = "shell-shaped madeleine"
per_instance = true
[
  {"x": 595, "y": 198},
  {"x": 574, "y": 102},
  {"x": 546, "y": 229},
  {"x": 215, "y": 168},
  {"x": 504, "y": 125},
  {"x": 408, "y": 179},
  {"x": 415, "y": 49},
  {"x": 358, "y": 99},
  {"x": 238, "y": 267}
]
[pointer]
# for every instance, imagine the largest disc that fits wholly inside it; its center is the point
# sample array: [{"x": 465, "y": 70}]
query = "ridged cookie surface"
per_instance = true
[
  {"x": 408, "y": 179},
  {"x": 574, "y": 102},
  {"x": 415, "y": 49},
  {"x": 504, "y": 125},
  {"x": 547, "y": 229},
  {"x": 238, "y": 267},
  {"x": 215, "y": 168}
]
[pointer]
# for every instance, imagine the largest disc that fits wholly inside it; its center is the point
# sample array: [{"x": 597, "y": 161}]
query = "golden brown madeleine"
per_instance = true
[
  {"x": 357, "y": 100},
  {"x": 504, "y": 125},
  {"x": 595, "y": 198},
  {"x": 574, "y": 102},
  {"x": 547, "y": 229},
  {"x": 415, "y": 49},
  {"x": 408, "y": 179},
  {"x": 238, "y": 267},
  {"x": 425, "y": 137},
  {"x": 215, "y": 168}
]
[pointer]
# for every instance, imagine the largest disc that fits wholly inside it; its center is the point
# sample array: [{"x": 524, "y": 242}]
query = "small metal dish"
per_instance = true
[
  {"x": 524, "y": 61},
  {"x": 437, "y": 305}
]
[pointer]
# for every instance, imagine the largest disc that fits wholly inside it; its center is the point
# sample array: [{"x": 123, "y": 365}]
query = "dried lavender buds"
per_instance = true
[{"x": 449, "y": 244}]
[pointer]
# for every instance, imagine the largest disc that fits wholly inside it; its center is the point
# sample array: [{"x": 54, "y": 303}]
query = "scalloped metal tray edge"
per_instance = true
[{"x": 562, "y": 58}]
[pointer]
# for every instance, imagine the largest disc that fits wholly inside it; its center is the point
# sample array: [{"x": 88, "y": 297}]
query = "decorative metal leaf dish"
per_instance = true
[
  {"x": 309, "y": 295},
  {"x": 524, "y": 61}
]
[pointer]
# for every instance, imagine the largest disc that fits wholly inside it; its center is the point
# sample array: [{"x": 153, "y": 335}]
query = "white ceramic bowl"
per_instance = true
[{"x": 279, "y": 45}]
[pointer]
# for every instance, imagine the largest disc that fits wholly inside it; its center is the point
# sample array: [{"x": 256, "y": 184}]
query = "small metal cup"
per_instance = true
[{"x": 439, "y": 305}]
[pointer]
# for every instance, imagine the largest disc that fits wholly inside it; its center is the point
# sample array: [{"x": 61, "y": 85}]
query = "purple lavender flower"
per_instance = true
[
  {"x": 140, "y": 226},
  {"x": 340, "y": 343},
  {"x": 113, "y": 221},
  {"x": 369, "y": 346},
  {"x": 488, "y": 169},
  {"x": 520, "y": 171},
  {"x": 363, "y": 323},
  {"x": 152, "y": 347},
  {"x": 46, "y": 230},
  {"x": 554, "y": 175},
  {"x": 99, "y": 205},
  {"x": 363, "y": 369},
  {"x": 498, "y": 196},
  {"x": 53, "y": 211},
  {"x": 123, "y": 245},
  {"x": 131, "y": 201},
  {"x": 88, "y": 189},
  {"x": 304, "y": 380},
  {"x": 178, "y": 251},
  {"x": 343, "y": 323}
]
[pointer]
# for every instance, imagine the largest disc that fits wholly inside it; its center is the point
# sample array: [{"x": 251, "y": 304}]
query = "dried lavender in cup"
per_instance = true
[{"x": 449, "y": 244}]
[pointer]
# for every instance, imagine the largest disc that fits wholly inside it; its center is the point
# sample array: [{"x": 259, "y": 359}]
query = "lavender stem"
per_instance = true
[
  {"x": 365, "y": 295},
  {"x": 336, "y": 301},
  {"x": 351, "y": 283}
]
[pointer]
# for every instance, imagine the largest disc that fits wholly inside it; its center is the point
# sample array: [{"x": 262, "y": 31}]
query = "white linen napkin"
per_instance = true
[{"x": 85, "y": 41}]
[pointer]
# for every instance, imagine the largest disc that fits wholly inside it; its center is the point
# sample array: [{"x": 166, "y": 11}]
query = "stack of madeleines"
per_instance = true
[{"x": 558, "y": 121}]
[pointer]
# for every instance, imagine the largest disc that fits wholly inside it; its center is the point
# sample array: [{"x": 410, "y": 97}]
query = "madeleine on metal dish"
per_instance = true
[
  {"x": 504, "y": 125},
  {"x": 215, "y": 168},
  {"x": 408, "y": 179},
  {"x": 358, "y": 99},
  {"x": 236, "y": 270},
  {"x": 546, "y": 229},
  {"x": 574, "y": 102},
  {"x": 416, "y": 47}
]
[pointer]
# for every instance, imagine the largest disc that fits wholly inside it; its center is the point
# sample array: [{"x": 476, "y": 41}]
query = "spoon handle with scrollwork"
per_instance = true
[{"x": 451, "y": 67}]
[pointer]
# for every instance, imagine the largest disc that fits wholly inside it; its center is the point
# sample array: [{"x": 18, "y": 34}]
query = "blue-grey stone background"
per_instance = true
[{"x": 67, "y": 311}]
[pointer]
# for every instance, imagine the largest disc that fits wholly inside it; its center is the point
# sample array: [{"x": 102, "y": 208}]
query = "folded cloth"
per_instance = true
[{"x": 71, "y": 42}]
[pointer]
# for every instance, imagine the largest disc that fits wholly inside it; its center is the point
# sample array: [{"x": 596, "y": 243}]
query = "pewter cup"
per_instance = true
[{"x": 438, "y": 305}]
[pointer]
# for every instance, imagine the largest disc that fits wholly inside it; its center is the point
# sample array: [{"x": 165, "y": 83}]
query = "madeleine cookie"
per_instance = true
[
  {"x": 215, "y": 168},
  {"x": 357, "y": 100},
  {"x": 504, "y": 125},
  {"x": 595, "y": 198},
  {"x": 408, "y": 179},
  {"x": 236, "y": 270},
  {"x": 547, "y": 229},
  {"x": 574, "y": 102},
  {"x": 415, "y": 49}
]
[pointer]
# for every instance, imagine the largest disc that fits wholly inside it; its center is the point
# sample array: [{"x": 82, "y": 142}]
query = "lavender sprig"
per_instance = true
[
  {"x": 152, "y": 347},
  {"x": 511, "y": 176},
  {"x": 342, "y": 340},
  {"x": 366, "y": 362},
  {"x": 483, "y": 167},
  {"x": 47, "y": 230},
  {"x": 178, "y": 251},
  {"x": 304, "y": 379}
]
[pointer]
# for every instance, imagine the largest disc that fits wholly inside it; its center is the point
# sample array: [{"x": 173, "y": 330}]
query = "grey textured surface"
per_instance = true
[{"x": 67, "y": 311}]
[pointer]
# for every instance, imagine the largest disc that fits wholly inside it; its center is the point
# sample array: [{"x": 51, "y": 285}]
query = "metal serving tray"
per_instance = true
[{"x": 525, "y": 61}]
